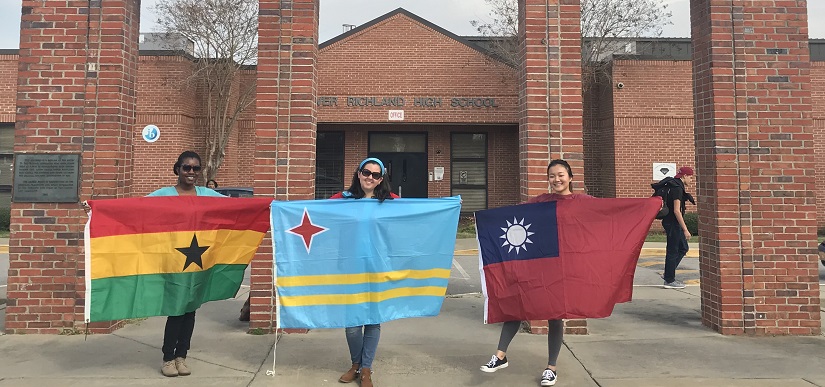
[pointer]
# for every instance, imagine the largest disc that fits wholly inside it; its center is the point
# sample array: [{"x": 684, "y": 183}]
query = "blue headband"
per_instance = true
[{"x": 374, "y": 160}]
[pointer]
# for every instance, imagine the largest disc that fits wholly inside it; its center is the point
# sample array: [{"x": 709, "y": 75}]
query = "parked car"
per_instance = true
[{"x": 236, "y": 192}]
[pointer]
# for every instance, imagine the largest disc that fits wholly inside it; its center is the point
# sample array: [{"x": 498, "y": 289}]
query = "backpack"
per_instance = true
[{"x": 662, "y": 190}]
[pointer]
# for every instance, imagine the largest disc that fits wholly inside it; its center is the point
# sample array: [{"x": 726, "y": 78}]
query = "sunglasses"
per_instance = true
[
  {"x": 368, "y": 173},
  {"x": 189, "y": 168}
]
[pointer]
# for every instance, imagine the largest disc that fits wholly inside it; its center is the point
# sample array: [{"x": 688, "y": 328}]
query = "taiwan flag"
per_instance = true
[{"x": 565, "y": 259}]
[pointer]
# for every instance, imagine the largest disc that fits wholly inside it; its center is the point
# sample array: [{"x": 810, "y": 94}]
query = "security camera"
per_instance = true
[{"x": 620, "y": 85}]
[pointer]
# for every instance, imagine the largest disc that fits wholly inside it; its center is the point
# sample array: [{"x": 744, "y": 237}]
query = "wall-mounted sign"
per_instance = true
[
  {"x": 150, "y": 133},
  {"x": 398, "y": 101},
  {"x": 663, "y": 170},
  {"x": 439, "y": 173},
  {"x": 45, "y": 178},
  {"x": 396, "y": 115}
]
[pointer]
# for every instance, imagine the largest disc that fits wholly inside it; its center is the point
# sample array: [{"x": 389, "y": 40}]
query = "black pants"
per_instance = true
[
  {"x": 677, "y": 247},
  {"x": 177, "y": 336}
]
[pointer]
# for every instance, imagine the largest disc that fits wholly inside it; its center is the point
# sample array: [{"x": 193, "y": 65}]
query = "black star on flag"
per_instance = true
[{"x": 193, "y": 253}]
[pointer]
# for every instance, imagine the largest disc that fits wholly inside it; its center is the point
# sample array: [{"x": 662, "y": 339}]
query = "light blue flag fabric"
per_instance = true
[{"x": 343, "y": 263}]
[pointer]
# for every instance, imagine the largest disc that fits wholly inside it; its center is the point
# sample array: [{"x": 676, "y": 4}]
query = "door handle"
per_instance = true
[{"x": 399, "y": 191}]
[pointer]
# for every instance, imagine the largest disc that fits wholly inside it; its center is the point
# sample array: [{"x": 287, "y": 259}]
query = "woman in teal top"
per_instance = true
[{"x": 178, "y": 333}]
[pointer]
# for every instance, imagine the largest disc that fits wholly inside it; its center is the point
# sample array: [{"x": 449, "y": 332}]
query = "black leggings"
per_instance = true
[
  {"x": 177, "y": 336},
  {"x": 555, "y": 334}
]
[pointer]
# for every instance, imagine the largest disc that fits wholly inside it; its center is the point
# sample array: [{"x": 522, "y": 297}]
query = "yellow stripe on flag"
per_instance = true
[
  {"x": 155, "y": 253},
  {"x": 360, "y": 278},
  {"x": 360, "y": 298}
]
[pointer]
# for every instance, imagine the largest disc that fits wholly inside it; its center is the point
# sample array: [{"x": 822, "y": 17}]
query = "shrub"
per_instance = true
[
  {"x": 5, "y": 218},
  {"x": 692, "y": 222}
]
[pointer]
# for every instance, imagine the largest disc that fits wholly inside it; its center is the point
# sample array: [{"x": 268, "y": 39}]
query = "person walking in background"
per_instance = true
[
  {"x": 367, "y": 183},
  {"x": 211, "y": 183},
  {"x": 674, "y": 224},
  {"x": 560, "y": 177}
]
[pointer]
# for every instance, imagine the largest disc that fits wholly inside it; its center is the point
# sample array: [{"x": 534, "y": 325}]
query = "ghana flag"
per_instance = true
[{"x": 165, "y": 256}]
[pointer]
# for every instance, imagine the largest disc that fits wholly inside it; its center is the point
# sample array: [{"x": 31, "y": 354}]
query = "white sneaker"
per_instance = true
[
  {"x": 548, "y": 377},
  {"x": 495, "y": 364}
]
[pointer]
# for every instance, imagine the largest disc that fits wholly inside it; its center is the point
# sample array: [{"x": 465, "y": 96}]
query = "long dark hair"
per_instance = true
[
  {"x": 183, "y": 156},
  {"x": 382, "y": 190},
  {"x": 566, "y": 166}
]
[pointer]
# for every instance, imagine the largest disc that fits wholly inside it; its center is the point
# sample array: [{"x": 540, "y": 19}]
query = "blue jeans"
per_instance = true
[
  {"x": 677, "y": 247},
  {"x": 363, "y": 343}
]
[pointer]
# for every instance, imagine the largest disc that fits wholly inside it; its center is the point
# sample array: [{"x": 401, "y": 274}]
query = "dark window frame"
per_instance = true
[
  {"x": 486, "y": 160},
  {"x": 341, "y": 158}
]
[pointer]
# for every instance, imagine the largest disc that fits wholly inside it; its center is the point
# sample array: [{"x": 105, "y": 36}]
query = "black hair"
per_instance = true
[
  {"x": 183, "y": 156},
  {"x": 566, "y": 166},
  {"x": 381, "y": 192},
  {"x": 212, "y": 181}
]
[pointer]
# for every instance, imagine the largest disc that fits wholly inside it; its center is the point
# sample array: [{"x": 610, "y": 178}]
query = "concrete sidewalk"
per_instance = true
[{"x": 655, "y": 340}]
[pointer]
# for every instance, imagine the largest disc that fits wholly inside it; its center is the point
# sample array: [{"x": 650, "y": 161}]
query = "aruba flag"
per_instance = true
[
  {"x": 571, "y": 258},
  {"x": 165, "y": 256},
  {"x": 343, "y": 263}
]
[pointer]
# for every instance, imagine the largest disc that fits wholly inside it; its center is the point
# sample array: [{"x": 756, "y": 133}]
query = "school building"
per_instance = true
[{"x": 448, "y": 117}]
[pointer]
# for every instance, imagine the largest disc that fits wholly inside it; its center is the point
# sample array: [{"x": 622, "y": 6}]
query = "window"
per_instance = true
[
  {"x": 468, "y": 173},
  {"x": 329, "y": 164},
  {"x": 6, "y": 157}
]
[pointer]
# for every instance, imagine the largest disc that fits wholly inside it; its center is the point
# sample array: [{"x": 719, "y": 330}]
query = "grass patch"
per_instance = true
[
  {"x": 4, "y": 233},
  {"x": 466, "y": 227}
]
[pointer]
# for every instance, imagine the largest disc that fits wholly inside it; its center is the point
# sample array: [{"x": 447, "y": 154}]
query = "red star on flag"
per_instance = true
[{"x": 307, "y": 230}]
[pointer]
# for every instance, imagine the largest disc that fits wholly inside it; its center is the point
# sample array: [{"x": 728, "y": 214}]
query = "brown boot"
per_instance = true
[
  {"x": 351, "y": 375},
  {"x": 366, "y": 377}
]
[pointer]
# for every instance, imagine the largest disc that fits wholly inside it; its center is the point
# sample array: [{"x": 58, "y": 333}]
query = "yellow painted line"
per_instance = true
[
  {"x": 656, "y": 252},
  {"x": 650, "y": 263},
  {"x": 4, "y": 249},
  {"x": 466, "y": 252},
  {"x": 692, "y": 282}
]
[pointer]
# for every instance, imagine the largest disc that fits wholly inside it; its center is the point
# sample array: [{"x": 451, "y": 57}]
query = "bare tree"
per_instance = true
[
  {"x": 225, "y": 34},
  {"x": 606, "y": 27}
]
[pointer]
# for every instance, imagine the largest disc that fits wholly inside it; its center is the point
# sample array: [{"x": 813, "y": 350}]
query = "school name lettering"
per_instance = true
[{"x": 397, "y": 102}]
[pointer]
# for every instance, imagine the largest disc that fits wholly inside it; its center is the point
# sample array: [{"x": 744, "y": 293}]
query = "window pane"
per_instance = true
[
  {"x": 398, "y": 142},
  {"x": 469, "y": 172},
  {"x": 6, "y": 138},
  {"x": 5, "y": 169},
  {"x": 329, "y": 164},
  {"x": 469, "y": 145},
  {"x": 472, "y": 199}
]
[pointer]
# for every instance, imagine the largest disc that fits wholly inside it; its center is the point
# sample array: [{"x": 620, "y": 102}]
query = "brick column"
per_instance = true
[
  {"x": 75, "y": 96},
  {"x": 285, "y": 126},
  {"x": 550, "y": 99},
  {"x": 755, "y": 158}
]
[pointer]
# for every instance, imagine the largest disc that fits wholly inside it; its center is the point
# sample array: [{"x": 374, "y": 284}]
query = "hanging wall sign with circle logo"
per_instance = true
[{"x": 150, "y": 133}]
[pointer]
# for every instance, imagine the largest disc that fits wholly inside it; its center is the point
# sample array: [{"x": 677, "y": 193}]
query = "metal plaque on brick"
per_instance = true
[{"x": 45, "y": 178}]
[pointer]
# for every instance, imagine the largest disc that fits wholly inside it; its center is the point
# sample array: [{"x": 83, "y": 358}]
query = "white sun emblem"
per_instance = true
[{"x": 516, "y": 235}]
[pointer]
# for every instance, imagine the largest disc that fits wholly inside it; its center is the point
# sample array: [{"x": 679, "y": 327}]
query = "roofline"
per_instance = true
[{"x": 412, "y": 16}]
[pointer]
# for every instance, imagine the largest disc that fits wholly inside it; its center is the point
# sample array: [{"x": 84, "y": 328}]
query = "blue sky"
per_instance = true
[{"x": 453, "y": 15}]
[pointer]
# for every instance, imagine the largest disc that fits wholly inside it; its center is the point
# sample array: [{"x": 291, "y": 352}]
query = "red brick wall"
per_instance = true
[
  {"x": 165, "y": 98},
  {"x": 818, "y": 113},
  {"x": 653, "y": 121},
  {"x": 598, "y": 135},
  {"x": 8, "y": 87},
  {"x": 64, "y": 108},
  {"x": 421, "y": 63},
  {"x": 755, "y": 158}
]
